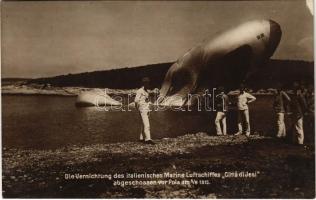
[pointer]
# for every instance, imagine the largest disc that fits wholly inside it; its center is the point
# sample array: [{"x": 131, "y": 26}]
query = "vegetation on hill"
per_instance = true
[{"x": 284, "y": 71}]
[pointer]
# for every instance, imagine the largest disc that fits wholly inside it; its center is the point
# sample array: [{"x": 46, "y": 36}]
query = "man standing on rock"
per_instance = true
[
  {"x": 243, "y": 99},
  {"x": 142, "y": 105}
]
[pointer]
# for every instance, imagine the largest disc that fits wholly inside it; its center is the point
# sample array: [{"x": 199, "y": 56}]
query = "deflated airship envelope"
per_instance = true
[{"x": 226, "y": 59}]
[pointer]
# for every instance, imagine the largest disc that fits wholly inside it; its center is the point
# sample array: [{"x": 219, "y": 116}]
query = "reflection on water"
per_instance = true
[{"x": 48, "y": 122}]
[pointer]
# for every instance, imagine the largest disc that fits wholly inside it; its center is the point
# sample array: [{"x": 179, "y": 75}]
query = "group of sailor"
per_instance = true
[{"x": 299, "y": 105}]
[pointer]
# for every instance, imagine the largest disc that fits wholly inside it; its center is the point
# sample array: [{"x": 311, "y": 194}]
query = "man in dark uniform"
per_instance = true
[
  {"x": 280, "y": 100},
  {"x": 310, "y": 114},
  {"x": 298, "y": 107},
  {"x": 221, "y": 102}
]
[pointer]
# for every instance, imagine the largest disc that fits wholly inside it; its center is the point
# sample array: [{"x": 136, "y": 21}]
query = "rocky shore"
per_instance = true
[
  {"x": 279, "y": 169},
  {"x": 40, "y": 89},
  {"x": 34, "y": 89}
]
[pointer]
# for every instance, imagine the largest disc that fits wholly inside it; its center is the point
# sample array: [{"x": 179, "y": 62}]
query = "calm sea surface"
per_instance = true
[{"x": 49, "y": 122}]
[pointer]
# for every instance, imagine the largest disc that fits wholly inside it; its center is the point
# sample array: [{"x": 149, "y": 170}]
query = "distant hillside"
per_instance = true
[
  {"x": 123, "y": 78},
  {"x": 284, "y": 71},
  {"x": 11, "y": 81}
]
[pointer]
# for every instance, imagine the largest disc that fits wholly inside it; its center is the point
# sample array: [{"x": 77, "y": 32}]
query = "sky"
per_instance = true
[{"x": 46, "y": 38}]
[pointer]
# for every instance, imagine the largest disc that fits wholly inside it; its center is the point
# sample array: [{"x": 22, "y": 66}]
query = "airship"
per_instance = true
[{"x": 226, "y": 59}]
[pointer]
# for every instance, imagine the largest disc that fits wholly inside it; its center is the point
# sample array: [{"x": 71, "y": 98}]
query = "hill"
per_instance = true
[
  {"x": 284, "y": 71},
  {"x": 123, "y": 78}
]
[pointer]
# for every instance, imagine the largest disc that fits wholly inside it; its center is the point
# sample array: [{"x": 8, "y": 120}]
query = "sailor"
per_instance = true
[
  {"x": 280, "y": 100},
  {"x": 222, "y": 102},
  {"x": 142, "y": 105},
  {"x": 310, "y": 99},
  {"x": 243, "y": 99},
  {"x": 298, "y": 107},
  {"x": 310, "y": 115}
]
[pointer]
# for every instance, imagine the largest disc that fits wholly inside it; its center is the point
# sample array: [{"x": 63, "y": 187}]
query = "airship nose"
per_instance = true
[{"x": 275, "y": 37}]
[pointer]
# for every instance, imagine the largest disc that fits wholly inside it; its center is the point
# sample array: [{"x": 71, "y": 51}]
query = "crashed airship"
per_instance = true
[{"x": 226, "y": 59}]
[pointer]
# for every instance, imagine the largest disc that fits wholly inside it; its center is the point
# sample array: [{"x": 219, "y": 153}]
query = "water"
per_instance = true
[{"x": 49, "y": 122}]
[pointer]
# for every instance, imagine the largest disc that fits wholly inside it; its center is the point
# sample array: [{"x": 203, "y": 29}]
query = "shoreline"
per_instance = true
[
  {"x": 56, "y": 91},
  {"x": 75, "y": 91}
]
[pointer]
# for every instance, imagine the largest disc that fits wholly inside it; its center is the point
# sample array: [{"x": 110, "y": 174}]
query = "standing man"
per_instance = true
[
  {"x": 280, "y": 99},
  {"x": 310, "y": 99},
  {"x": 243, "y": 99},
  {"x": 221, "y": 108},
  {"x": 310, "y": 117},
  {"x": 298, "y": 109},
  {"x": 142, "y": 105}
]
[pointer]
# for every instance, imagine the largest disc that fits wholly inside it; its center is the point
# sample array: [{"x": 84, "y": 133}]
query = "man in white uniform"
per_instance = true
[
  {"x": 142, "y": 105},
  {"x": 243, "y": 99}
]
